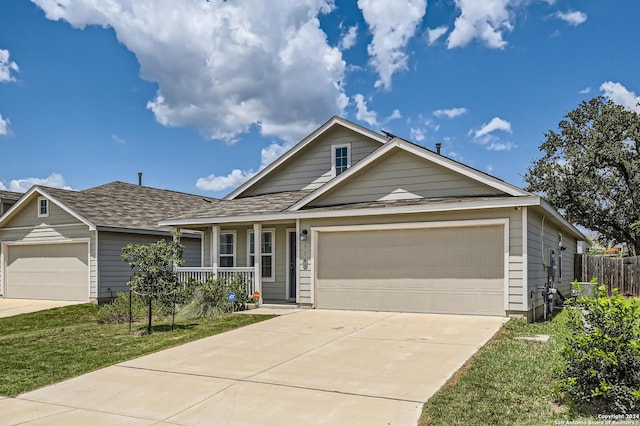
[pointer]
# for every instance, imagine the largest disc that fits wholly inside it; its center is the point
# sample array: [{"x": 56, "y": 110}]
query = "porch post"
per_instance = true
[
  {"x": 257, "y": 255},
  {"x": 215, "y": 239}
]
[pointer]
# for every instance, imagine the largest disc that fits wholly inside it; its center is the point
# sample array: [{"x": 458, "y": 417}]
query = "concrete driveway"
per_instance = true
[
  {"x": 11, "y": 307},
  {"x": 309, "y": 367}
]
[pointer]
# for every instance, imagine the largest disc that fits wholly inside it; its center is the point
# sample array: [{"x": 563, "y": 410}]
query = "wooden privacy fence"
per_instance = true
[{"x": 622, "y": 273}]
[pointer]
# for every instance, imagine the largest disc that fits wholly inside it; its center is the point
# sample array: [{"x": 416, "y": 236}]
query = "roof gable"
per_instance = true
[
  {"x": 115, "y": 205},
  {"x": 24, "y": 211},
  {"x": 293, "y": 172},
  {"x": 401, "y": 170}
]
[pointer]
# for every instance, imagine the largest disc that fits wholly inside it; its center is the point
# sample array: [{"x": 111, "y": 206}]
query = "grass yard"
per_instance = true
[
  {"x": 507, "y": 382},
  {"x": 46, "y": 347}
]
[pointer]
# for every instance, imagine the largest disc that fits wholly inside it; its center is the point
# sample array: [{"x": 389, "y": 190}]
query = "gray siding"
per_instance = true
[
  {"x": 402, "y": 175},
  {"x": 515, "y": 297},
  {"x": 545, "y": 234},
  {"x": 311, "y": 167},
  {"x": 114, "y": 273},
  {"x": 28, "y": 216}
]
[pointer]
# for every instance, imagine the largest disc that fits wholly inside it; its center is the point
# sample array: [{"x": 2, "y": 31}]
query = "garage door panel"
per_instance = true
[
  {"x": 439, "y": 270},
  {"x": 47, "y": 271}
]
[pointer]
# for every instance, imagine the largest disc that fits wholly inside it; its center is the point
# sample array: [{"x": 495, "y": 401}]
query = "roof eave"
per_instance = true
[{"x": 531, "y": 200}]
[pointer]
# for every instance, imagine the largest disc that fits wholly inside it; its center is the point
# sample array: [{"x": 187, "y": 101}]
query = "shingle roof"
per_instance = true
[
  {"x": 10, "y": 195},
  {"x": 259, "y": 204},
  {"x": 128, "y": 206}
]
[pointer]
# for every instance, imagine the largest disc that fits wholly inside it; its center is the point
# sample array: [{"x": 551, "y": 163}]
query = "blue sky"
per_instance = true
[{"x": 199, "y": 95}]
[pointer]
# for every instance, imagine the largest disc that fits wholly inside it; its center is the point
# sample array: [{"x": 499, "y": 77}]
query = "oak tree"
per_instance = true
[{"x": 590, "y": 170}]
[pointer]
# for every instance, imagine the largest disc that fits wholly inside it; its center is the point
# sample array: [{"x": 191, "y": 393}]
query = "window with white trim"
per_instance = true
[
  {"x": 227, "y": 250},
  {"x": 340, "y": 158},
  {"x": 267, "y": 246},
  {"x": 43, "y": 207}
]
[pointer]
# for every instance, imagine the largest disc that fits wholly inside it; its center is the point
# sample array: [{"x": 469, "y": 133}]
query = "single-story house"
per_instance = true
[
  {"x": 7, "y": 199},
  {"x": 66, "y": 245},
  {"x": 352, "y": 219}
]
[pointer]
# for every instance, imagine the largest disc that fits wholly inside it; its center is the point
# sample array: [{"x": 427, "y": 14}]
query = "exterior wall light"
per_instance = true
[{"x": 303, "y": 235}]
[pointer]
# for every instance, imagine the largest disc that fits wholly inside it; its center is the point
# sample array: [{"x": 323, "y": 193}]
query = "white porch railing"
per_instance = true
[{"x": 202, "y": 274}]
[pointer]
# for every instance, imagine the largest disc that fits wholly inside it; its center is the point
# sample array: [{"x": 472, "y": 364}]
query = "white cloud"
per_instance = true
[
  {"x": 237, "y": 177},
  {"x": 483, "y": 20},
  {"x": 394, "y": 116},
  {"x": 4, "y": 126},
  {"x": 586, "y": 90},
  {"x": 573, "y": 18},
  {"x": 621, "y": 95},
  {"x": 7, "y": 67},
  {"x": 55, "y": 180},
  {"x": 489, "y": 168},
  {"x": 118, "y": 139},
  {"x": 393, "y": 24},
  {"x": 433, "y": 34},
  {"x": 2, "y": 187},
  {"x": 496, "y": 123},
  {"x": 363, "y": 113},
  {"x": 349, "y": 38},
  {"x": 451, "y": 112},
  {"x": 417, "y": 134},
  {"x": 498, "y": 145},
  {"x": 223, "y": 66},
  {"x": 220, "y": 183}
]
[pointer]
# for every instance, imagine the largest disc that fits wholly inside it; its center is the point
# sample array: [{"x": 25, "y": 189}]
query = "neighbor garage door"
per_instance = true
[
  {"x": 456, "y": 270},
  {"x": 47, "y": 271}
]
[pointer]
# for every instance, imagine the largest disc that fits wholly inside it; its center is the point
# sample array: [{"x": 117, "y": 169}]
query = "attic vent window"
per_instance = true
[
  {"x": 43, "y": 207},
  {"x": 340, "y": 158}
]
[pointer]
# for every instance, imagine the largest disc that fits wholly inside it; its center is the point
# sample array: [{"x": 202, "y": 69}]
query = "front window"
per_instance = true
[
  {"x": 341, "y": 158},
  {"x": 43, "y": 207},
  {"x": 227, "y": 250},
  {"x": 267, "y": 244}
]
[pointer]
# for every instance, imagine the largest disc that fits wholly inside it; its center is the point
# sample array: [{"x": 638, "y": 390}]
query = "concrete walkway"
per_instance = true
[
  {"x": 306, "y": 368},
  {"x": 11, "y": 307}
]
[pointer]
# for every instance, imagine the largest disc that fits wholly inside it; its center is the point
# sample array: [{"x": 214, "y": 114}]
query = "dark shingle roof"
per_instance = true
[
  {"x": 259, "y": 204},
  {"x": 124, "y": 205},
  {"x": 10, "y": 195}
]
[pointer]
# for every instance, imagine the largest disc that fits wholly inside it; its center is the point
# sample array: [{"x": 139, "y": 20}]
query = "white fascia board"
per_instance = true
[
  {"x": 531, "y": 200},
  {"x": 556, "y": 215},
  {"x": 29, "y": 195},
  {"x": 300, "y": 145},
  {"x": 421, "y": 152}
]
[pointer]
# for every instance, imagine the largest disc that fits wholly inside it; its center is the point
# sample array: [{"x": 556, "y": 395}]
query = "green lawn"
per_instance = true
[
  {"x": 507, "y": 382},
  {"x": 46, "y": 347}
]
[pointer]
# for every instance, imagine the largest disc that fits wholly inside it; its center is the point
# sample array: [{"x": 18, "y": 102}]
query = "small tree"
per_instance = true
[{"x": 154, "y": 267}]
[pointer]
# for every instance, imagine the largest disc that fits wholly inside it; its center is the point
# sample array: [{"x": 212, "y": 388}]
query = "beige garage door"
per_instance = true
[
  {"x": 436, "y": 270},
  {"x": 47, "y": 271}
]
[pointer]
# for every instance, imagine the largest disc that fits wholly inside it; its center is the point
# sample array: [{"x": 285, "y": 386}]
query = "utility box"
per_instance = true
[{"x": 587, "y": 289}]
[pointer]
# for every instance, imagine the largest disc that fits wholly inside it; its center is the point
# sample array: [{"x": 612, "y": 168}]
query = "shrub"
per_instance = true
[
  {"x": 117, "y": 312},
  {"x": 601, "y": 372},
  {"x": 211, "y": 297}
]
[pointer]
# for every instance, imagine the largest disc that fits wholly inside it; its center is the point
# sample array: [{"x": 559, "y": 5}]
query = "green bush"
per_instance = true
[
  {"x": 117, "y": 312},
  {"x": 211, "y": 297},
  {"x": 601, "y": 372}
]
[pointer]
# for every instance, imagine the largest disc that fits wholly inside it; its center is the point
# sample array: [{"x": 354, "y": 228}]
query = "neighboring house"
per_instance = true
[
  {"x": 7, "y": 199},
  {"x": 67, "y": 245},
  {"x": 352, "y": 219}
]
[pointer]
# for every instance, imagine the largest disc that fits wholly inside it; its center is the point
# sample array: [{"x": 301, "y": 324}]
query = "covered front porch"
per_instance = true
[{"x": 268, "y": 265}]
